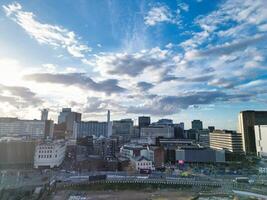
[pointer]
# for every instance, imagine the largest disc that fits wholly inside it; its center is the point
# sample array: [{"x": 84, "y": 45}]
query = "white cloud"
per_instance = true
[
  {"x": 184, "y": 7},
  {"x": 158, "y": 15},
  {"x": 46, "y": 33}
]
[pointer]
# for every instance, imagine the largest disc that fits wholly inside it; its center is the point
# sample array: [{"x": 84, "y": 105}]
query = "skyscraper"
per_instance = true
[
  {"x": 246, "y": 123},
  {"x": 143, "y": 121},
  {"x": 44, "y": 114},
  {"x": 109, "y": 125},
  {"x": 69, "y": 118},
  {"x": 197, "y": 125}
]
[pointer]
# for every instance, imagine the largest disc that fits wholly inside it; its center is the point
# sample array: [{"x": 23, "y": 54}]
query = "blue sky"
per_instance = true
[{"x": 184, "y": 59}]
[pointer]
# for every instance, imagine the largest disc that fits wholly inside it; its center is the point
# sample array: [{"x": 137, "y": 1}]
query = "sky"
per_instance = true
[{"x": 177, "y": 59}]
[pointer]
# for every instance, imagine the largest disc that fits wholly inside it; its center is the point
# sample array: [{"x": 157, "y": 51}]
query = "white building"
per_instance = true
[
  {"x": 142, "y": 163},
  {"x": 49, "y": 154},
  {"x": 261, "y": 140}
]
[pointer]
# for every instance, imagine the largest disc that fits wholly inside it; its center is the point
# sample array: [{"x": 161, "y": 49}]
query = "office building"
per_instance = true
[
  {"x": 109, "y": 125},
  {"x": 90, "y": 128},
  {"x": 124, "y": 128},
  {"x": 261, "y": 140},
  {"x": 179, "y": 131},
  {"x": 69, "y": 118},
  {"x": 88, "y": 143},
  {"x": 229, "y": 141},
  {"x": 30, "y": 128},
  {"x": 247, "y": 120},
  {"x": 105, "y": 147},
  {"x": 164, "y": 122},
  {"x": 49, "y": 154},
  {"x": 204, "y": 137},
  {"x": 44, "y": 114},
  {"x": 143, "y": 121},
  {"x": 200, "y": 155},
  {"x": 154, "y": 132},
  {"x": 197, "y": 125},
  {"x": 16, "y": 152}
]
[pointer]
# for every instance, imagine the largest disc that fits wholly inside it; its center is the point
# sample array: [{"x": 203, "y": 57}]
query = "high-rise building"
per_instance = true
[
  {"x": 261, "y": 140},
  {"x": 31, "y": 128},
  {"x": 143, "y": 121},
  {"x": 44, "y": 114},
  {"x": 109, "y": 125},
  {"x": 247, "y": 120},
  {"x": 226, "y": 140},
  {"x": 179, "y": 131},
  {"x": 69, "y": 117},
  {"x": 123, "y": 127},
  {"x": 63, "y": 114},
  {"x": 197, "y": 125}
]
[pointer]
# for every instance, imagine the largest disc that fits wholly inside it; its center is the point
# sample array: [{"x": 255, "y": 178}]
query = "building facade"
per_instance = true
[
  {"x": 247, "y": 120},
  {"x": 16, "y": 152},
  {"x": 124, "y": 128},
  {"x": 261, "y": 140},
  {"x": 154, "y": 132},
  {"x": 91, "y": 128},
  {"x": 200, "y": 155},
  {"x": 226, "y": 140},
  {"x": 142, "y": 163},
  {"x": 144, "y": 121},
  {"x": 197, "y": 125},
  {"x": 49, "y": 154},
  {"x": 31, "y": 128}
]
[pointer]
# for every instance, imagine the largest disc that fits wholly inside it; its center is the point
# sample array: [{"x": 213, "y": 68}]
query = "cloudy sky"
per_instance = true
[{"x": 179, "y": 59}]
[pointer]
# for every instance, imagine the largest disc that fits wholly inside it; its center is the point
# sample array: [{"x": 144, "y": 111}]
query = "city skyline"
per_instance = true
[{"x": 182, "y": 60}]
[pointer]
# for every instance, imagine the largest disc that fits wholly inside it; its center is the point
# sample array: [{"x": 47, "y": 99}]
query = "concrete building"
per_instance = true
[
  {"x": 142, "y": 163},
  {"x": 131, "y": 150},
  {"x": 229, "y": 141},
  {"x": 204, "y": 137},
  {"x": 16, "y": 152},
  {"x": 124, "y": 128},
  {"x": 109, "y": 125},
  {"x": 155, "y": 154},
  {"x": 200, "y": 155},
  {"x": 44, "y": 114},
  {"x": 247, "y": 120},
  {"x": 197, "y": 125},
  {"x": 261, "y": 140},
  {"x": 143, "y": 121},
  {"x": 69, "y": 118},
  {"x": 49, "y": 154},
  {"x": 105, "y": 147},
  {"x": 91, "y": 128},
  {"x": 164, "y": 122},
  {"x": 154, "y": 132},
  {"x": 30, "y": 128}
]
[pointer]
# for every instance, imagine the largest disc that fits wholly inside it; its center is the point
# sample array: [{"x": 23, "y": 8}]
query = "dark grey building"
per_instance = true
[
  {"x": 200, "y": 155},
  {"x": 197, "y": 125},
  {"x": 143, "y": 121}
]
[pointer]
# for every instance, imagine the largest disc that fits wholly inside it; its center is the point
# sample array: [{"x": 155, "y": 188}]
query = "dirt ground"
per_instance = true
[{"x": 123, "y": 195}]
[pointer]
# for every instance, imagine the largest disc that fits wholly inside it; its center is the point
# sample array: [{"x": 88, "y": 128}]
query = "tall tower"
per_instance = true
[
  {"x": 109, "y": 125},
  {"x": 44, "y": 114}
]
